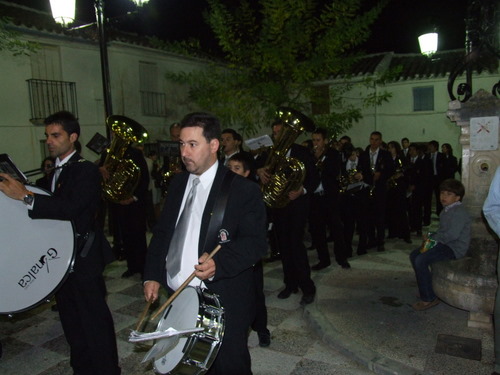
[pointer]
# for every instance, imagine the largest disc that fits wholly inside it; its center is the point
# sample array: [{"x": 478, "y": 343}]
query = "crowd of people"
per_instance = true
[{"x": 384, "y": 190}]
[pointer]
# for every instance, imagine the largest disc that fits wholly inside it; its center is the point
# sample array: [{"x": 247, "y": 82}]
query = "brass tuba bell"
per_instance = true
[
  {"x": 287, "y": 174},
  {"x": 124, "y": 174}
]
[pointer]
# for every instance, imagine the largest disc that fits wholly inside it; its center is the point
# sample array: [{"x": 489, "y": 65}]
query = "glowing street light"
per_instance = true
[
  {"x": 428, "y": 43},
  {"x": 63, "y": 11}
]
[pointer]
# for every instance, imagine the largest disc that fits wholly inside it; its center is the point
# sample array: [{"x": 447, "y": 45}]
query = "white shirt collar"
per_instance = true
[
  {"x": 206, "y": 177},
  {"x": 65, "y": 160}
]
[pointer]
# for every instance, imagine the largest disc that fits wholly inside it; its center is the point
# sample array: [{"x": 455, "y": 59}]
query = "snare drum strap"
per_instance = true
[
  {"x": 88, "y": 243},
  {"x": 219, "y": 207}
]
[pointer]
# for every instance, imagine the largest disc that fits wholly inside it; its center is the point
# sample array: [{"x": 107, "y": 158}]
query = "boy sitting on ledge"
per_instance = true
[{"x": 451, "y": 241}]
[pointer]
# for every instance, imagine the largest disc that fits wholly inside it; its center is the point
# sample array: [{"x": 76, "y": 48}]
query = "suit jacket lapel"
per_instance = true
[
  {"x": 204, "y": 244},
  {"x": 64, "y": 172}
]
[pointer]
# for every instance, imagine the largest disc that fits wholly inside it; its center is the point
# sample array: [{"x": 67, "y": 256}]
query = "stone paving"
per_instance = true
[{"x": 361, "y": 322}]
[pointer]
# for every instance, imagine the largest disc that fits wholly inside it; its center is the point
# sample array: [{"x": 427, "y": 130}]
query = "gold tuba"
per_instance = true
[
  {"x": 287, "y": 174},
  {"x": 124, "y": 174}
]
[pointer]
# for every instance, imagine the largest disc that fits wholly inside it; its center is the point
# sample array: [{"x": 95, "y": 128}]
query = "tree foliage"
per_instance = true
[
  {"x": 9, "y": 41},
  {"x": 275, "y": 52}
]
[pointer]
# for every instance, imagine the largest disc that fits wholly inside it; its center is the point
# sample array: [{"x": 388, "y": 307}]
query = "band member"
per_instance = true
[
  {"x": 85, "y": 316},
  {"x": 47, "y": 168},
  {"x": 354, "y": 201},
  {"x": 290, "y": 223},
  {"x": 231, "y": 144},
  {"x": 376, "y": 166},
  {"x": 229, "y": 273},
  {"x": 325, "y": 208}
]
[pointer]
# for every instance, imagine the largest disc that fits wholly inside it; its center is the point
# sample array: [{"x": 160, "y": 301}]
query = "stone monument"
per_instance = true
[{"x": 470, "y": 283}]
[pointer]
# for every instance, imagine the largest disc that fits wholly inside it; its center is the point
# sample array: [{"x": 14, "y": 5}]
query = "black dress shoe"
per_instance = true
[
  {"x": 380, "y": 248},
  {"x": 307, "y": 299},
  {"x": 127, "y": 274},
  {"x": 54, "y": 307},
  {"x": 345, "y": 265},
  {"x": 361, "y": 252},
  {"x": 407, "y": 240},
  {"x": 264, "y": 338},
  {"x": 285, "y": 293},
  {"x": 320, "y": 266},
  {"x": 371, "y": 245}
]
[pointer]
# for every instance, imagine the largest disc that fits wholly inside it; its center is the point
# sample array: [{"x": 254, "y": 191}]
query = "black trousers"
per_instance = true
[
  {"x": 132, "y": 223},
  {"x": 290, "y": 223},
  {"x": 354, "y": 215},
  {"x": 260, "y": 322},
  {"x": 88, "y": 325},
  {"x": 318, "y": 220}
]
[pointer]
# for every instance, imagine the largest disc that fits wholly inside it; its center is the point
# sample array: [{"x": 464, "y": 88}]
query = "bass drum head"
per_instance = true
[
  {"x": 181, "y": 314},
  {"x": 36, "y": 255}
]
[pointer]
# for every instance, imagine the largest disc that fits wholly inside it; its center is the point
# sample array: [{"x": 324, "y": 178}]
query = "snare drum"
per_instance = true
[
  {"x": 193, "y": 354},
  {"x": 35, "y": 255}
]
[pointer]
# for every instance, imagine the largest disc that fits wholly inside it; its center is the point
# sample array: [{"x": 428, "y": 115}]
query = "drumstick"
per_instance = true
[
  {"x": 184, "y": 284},
  {"x": 143, "y": 315}
]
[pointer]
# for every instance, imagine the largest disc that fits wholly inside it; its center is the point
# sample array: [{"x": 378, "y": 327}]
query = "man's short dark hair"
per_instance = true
[
  {"x": 174, "y": 125},
  {"x": 208, "y": 122},
  {"x": 346, "y": 138},
  {"x": 66, "y": 119},
  {"x": 435, "y": 144},
  {"x": 453, "y": 186},
  {"x": 322, "y": 131},
  {"x": 233, "y": 132},
  {"x": 404, "y": 139},
  {"x": 376, "y": 133}
]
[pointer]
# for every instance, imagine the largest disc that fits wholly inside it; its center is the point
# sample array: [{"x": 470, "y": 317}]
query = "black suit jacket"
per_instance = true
[
  {"x": 245, "y": 222},
  {"x": 312, "y": 178},
  {"x": 384, "y": 165},
  {"x": 330, "y": 173},
  {"x": 76, "y": 198}
]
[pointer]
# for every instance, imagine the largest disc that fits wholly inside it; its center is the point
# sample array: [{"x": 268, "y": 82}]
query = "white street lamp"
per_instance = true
[
  {"x": 140, "y": 3},
  {"x": 428, "y": 43},
  {"x": 63, "y": 11}
]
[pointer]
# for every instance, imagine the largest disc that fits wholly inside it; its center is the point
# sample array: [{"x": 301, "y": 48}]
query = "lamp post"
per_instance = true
[
  {"x": 63, "y": 12},
  {"x": 481, "y": 47}
]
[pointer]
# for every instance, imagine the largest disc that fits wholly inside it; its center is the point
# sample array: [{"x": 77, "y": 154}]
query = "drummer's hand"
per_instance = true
[
  {"x": 12, "y": 188},
  {"x": 151, "y": 289},
  {"x": 205, "y": 270},
  {"x": 126, "y": 202}
]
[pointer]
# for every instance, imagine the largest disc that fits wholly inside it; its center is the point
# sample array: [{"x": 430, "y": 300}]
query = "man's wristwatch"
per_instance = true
[{"x": 29, "y": 198}]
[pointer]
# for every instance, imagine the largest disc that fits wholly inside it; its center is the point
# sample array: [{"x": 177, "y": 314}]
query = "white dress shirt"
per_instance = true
[{"x": 190, "y": 250}]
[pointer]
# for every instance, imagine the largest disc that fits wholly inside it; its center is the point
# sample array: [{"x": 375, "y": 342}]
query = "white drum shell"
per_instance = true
[
  {"x": 36, "y": 255},
  {"x": 193, "y": 354}
]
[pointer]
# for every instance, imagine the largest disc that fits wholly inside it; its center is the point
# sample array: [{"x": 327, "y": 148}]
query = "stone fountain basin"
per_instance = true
[{"x": 462, "y": 284}]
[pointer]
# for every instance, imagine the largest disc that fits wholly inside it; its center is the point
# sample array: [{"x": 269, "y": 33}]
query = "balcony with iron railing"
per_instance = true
[{"x": 48, "y": 97}]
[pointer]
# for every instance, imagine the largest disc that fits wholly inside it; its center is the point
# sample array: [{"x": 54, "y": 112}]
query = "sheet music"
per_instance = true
[
  {"x": 256, "y": 143},
  {"x": 7, "y": 166}
]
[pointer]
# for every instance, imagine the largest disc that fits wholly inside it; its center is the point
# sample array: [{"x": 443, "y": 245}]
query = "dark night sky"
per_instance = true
[{"x": 396, "y": 29}]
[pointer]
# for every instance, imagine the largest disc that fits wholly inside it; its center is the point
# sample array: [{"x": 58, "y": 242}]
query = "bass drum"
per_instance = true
[{"x": 36, "y": 255}]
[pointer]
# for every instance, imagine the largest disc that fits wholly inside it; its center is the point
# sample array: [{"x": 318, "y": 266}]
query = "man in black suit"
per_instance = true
[
  {"x": 290, "y": 221},
  {"x": 325, "y": 205},
  {"x": 376, "y": 167},
  {"x": 131, "y": 216},
  {"x": 85, "y": 316},
  {"x": 229, "y": 273},
  {"x": 437, "y": 161}
]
